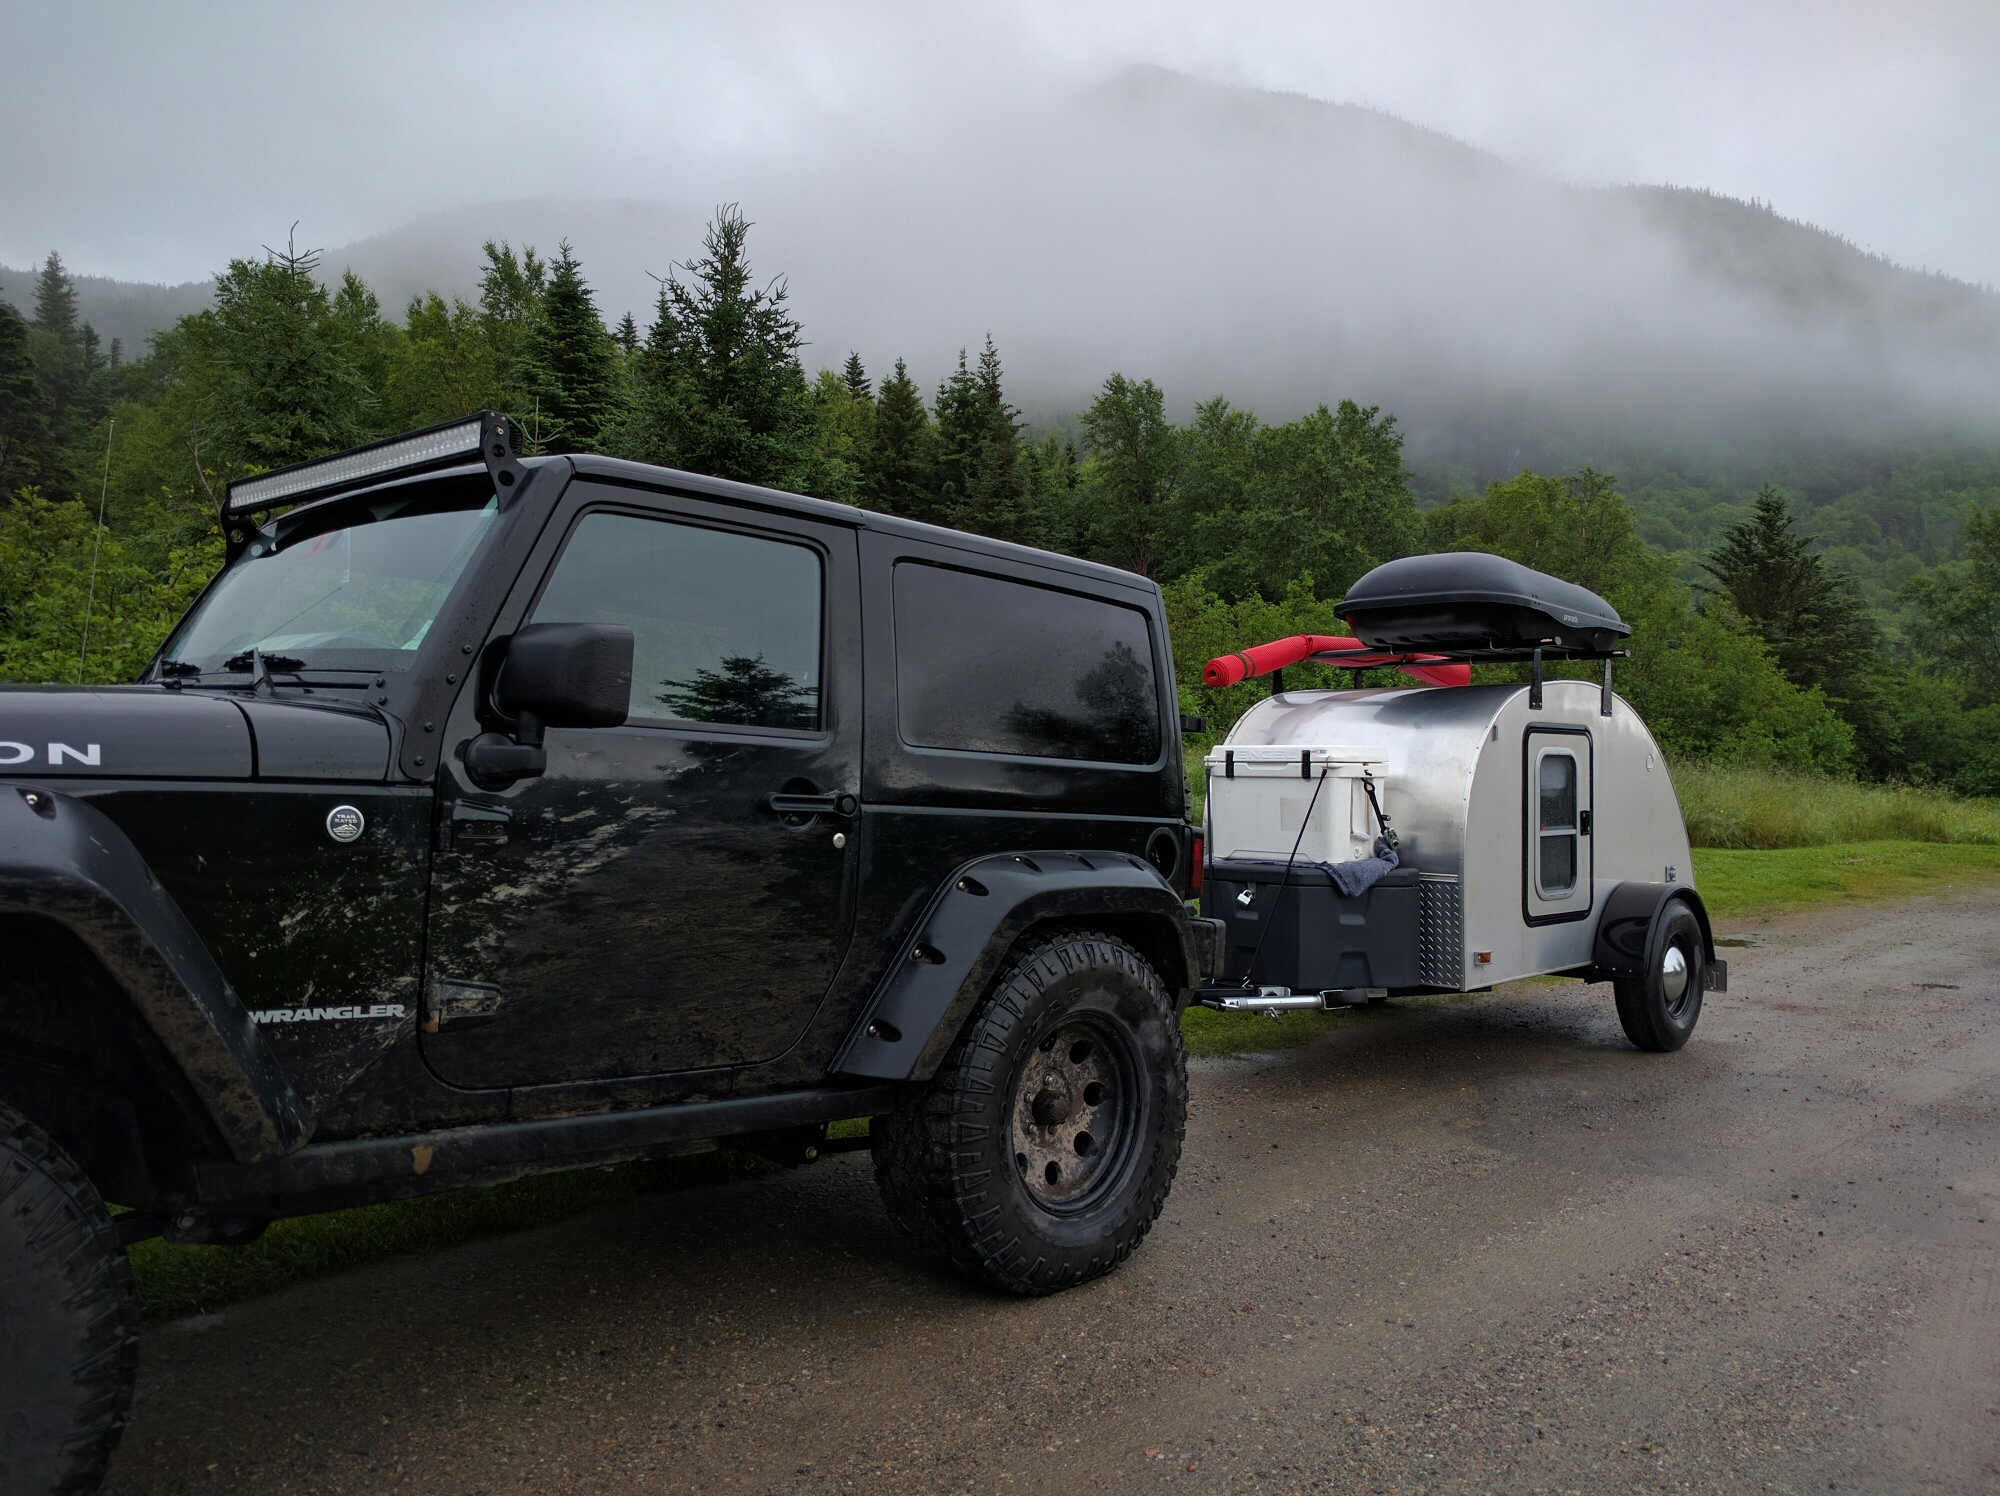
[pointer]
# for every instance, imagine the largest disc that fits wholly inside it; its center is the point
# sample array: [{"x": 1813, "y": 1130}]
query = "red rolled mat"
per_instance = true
[{"x": 1262, "y": 659}]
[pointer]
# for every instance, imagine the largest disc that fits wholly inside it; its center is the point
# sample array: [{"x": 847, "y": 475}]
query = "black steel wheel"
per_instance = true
[
  {"x": 1658, "y": 1010},
  {"x": 69, "y": 1332},
  {"x": 1043, "y": 1150}
]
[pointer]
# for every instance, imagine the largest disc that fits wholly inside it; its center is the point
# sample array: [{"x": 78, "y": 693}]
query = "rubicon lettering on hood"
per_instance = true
[
  {"x": 322, "y": 1015},
  {"x": 89, "y": 755}
]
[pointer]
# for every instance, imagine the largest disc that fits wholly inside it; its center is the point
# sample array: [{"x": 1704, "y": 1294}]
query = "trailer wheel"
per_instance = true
[
  {"x": 1658, "y": 1011},
  {"x": 69, "y": 1332},
  {"x": 1042, "y": 1152}
]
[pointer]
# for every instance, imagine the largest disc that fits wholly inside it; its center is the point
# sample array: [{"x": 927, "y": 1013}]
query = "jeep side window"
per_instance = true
[
  {"x": 986, "y": 665},
  {"x": 726, "y": 627}
]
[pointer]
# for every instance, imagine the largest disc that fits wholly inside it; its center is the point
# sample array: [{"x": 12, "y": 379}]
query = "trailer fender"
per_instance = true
[
  {"x": 1623, "y": 948},
  {"x": 971, "y": 924},
  {"x": 64, "y": 860}
]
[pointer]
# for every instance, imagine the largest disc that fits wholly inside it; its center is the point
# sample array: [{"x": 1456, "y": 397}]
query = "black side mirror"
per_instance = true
[{"x": 553, "y": 675}]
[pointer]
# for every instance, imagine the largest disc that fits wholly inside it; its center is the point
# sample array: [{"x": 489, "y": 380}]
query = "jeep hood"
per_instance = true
[{"x": 152, "y": 732}]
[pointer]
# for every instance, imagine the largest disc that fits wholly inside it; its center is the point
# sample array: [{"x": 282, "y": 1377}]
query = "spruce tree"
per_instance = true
[
  {"x": 897, "y": 475},
  {"x": 26, "y": 449},
  {"x": 718, "y": 387},
  {"x": 1135, "y": 466},
  {"x": 55, "y": 300},
  {"x": 68, "y": 362},
  {"x": 1809, "y": 614},
  {"x": 627, "y": 335},
  {"x": 856, "y": 378},
  {"x": 993, "y": 501},
  {"x": 567, "y": 375},
  {"x": 268, "y": 370}
]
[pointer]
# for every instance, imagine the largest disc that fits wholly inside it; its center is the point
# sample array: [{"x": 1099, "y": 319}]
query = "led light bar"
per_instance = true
[{"x": 435, "y": 447}]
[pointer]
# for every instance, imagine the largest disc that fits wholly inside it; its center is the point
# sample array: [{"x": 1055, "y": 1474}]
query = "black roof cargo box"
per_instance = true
[{"x": 1469, "y": 602}]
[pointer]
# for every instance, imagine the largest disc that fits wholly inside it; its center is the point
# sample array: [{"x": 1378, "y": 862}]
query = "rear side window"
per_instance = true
[
  {"x": 725, "y": 626},
  {"x": 985, "y": 665}
]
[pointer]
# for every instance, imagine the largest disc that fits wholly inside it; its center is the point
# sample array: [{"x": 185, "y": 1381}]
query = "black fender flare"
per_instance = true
[
  {"x": 1624, "y": 947},
  {"x": 64, "y": 860},
  {"x": 971, "y": 923}
]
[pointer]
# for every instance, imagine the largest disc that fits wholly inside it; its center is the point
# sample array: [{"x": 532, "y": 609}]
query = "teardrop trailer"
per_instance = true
[{"x": 1370, "y": 843}]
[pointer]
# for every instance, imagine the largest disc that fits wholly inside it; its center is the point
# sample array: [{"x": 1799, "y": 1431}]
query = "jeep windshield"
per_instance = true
[{"x": 353, "y": 588}]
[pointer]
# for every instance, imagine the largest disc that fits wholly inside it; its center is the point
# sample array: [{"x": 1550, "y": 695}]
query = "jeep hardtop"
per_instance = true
[{"x": 489, "y": 814}]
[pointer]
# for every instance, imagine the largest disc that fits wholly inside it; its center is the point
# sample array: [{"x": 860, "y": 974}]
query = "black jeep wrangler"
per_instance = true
[{"x": 490, "y": 814}]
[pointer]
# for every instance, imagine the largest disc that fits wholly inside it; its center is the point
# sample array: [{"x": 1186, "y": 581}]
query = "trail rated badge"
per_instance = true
[{"x": 345, "y": 824}]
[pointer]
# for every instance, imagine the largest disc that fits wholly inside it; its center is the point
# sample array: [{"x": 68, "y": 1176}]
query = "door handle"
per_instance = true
[{"x": 811, "y": 805}]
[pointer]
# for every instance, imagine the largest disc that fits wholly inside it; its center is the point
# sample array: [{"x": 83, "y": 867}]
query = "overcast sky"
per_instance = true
[{"x": 153, "y": 141}]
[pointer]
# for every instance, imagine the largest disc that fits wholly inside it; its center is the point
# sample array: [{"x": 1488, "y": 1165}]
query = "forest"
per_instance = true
[{"x": 1856, "y": 651}]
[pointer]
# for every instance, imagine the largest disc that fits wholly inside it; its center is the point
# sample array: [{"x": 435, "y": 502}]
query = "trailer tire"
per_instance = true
[
  {"x": 1044, "y": 1148},
  {"x": 69, "y": 1330},
  {"x": 1658, "y": 1010}
]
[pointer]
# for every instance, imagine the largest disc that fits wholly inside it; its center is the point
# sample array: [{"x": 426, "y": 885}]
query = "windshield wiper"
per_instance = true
[
  {"x": 179, "y": 667},
  {"x": 258, "y": 663},
  {"x": 260, "y": 666}
]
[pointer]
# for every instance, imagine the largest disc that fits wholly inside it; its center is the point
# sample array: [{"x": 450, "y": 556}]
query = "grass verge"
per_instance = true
[
  {"x": 1735, "y": 884},
  {"x": 1743, "y": 807}
]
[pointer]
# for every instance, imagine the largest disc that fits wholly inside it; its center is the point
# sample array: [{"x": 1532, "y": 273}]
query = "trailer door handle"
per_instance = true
[
  {"x": 811, "y": 805},
  {"x": 1583, "y": 822}
]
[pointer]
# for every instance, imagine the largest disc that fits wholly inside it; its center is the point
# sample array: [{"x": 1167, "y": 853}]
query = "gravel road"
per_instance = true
[{"x": 1469, "y": 1244}]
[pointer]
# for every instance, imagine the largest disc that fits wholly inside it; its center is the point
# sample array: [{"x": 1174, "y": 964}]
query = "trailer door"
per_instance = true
[{"x": 1557, "y": 857}]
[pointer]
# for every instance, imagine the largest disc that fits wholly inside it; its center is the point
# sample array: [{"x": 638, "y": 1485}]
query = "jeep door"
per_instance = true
[{"x": 642, "y": 908}]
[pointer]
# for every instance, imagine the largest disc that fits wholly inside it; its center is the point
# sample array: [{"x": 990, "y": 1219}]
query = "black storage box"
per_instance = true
[
  {"x": 1319, "y": 939},
  {"x": 1468, "y": 601}
]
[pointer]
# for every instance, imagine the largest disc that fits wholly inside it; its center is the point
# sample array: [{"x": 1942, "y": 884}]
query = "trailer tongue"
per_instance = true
[{"x": 1366, "y": 843}]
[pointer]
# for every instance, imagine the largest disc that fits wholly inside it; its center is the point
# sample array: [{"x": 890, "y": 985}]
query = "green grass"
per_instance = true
[
  {"x": 1208, "y": 1033},
  {"x": 1736, "y": 884},
  {"x": 174, "y": 1282},
  {"x": 1742, "y": 807}
]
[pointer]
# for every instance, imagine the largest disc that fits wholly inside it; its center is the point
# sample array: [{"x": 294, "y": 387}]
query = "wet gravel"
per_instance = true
[{"x": 1470, "y": 1244}]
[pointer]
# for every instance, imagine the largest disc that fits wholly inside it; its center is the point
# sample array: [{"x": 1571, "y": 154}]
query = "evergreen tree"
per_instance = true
[
  {"x": 267, "y": 371},
  {"x": 718, "y": 387},
  {"x": 26, "y": 446},
  {"x": 1960, "y": 608},
  {"x": 69, "y": 363},
  {"x": 1135, "y": 465},
  {"x": 55, "y": 300},
  {"x": 566, "y": 376},
  {"x": 897, "y": 473},
  {"x": 856, "y": 378},
  {"x": 1814, "y": 621},
  {"x": 978, "y": 450},
  {"x": 627, "y": 335}
]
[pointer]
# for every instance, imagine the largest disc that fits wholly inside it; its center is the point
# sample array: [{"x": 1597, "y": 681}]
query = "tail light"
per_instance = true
[{"x": 1198, "y": 852}]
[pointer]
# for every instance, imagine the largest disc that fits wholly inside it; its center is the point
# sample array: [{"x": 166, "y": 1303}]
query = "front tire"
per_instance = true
[
  {"x": 1658, "y": 1010},
  {"x": 69, "y": 1331},
  {"x": 1044, "y": 1148}
]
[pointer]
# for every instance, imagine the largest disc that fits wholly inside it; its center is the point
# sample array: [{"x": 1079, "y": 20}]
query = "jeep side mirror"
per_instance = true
[{"x": 553, "y": 675}]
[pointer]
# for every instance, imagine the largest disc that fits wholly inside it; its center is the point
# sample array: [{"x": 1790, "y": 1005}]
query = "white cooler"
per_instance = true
[{"x": 1257, "y": 799}]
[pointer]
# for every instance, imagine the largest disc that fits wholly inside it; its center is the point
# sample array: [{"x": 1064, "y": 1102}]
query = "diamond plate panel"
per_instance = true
[{"x": 1440, "y": 932}]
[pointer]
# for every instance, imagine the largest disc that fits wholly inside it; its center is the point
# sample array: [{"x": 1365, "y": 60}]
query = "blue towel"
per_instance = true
[{"x": 1356, "y": 878}]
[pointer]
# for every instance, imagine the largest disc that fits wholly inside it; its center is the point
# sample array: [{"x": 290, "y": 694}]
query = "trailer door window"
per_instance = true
[{"x": 1555, "y": 823}]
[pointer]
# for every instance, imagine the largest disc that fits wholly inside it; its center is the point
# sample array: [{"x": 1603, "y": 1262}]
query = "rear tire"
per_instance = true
[
  {"x": 1658, "y": 1010},
  {"x": 1044, "y": 1148},
  {"x": 69, "y": 1331}
]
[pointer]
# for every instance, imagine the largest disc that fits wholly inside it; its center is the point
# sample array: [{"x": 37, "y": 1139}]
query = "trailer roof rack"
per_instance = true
[{"x": 486, "y": 435}]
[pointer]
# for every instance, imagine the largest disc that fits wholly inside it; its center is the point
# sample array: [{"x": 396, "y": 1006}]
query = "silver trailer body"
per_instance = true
[{"x": 1517, "y": 825}]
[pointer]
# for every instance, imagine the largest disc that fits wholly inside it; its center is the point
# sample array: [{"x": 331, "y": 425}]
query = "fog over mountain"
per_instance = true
[{"x": 1284, "y": 251}]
